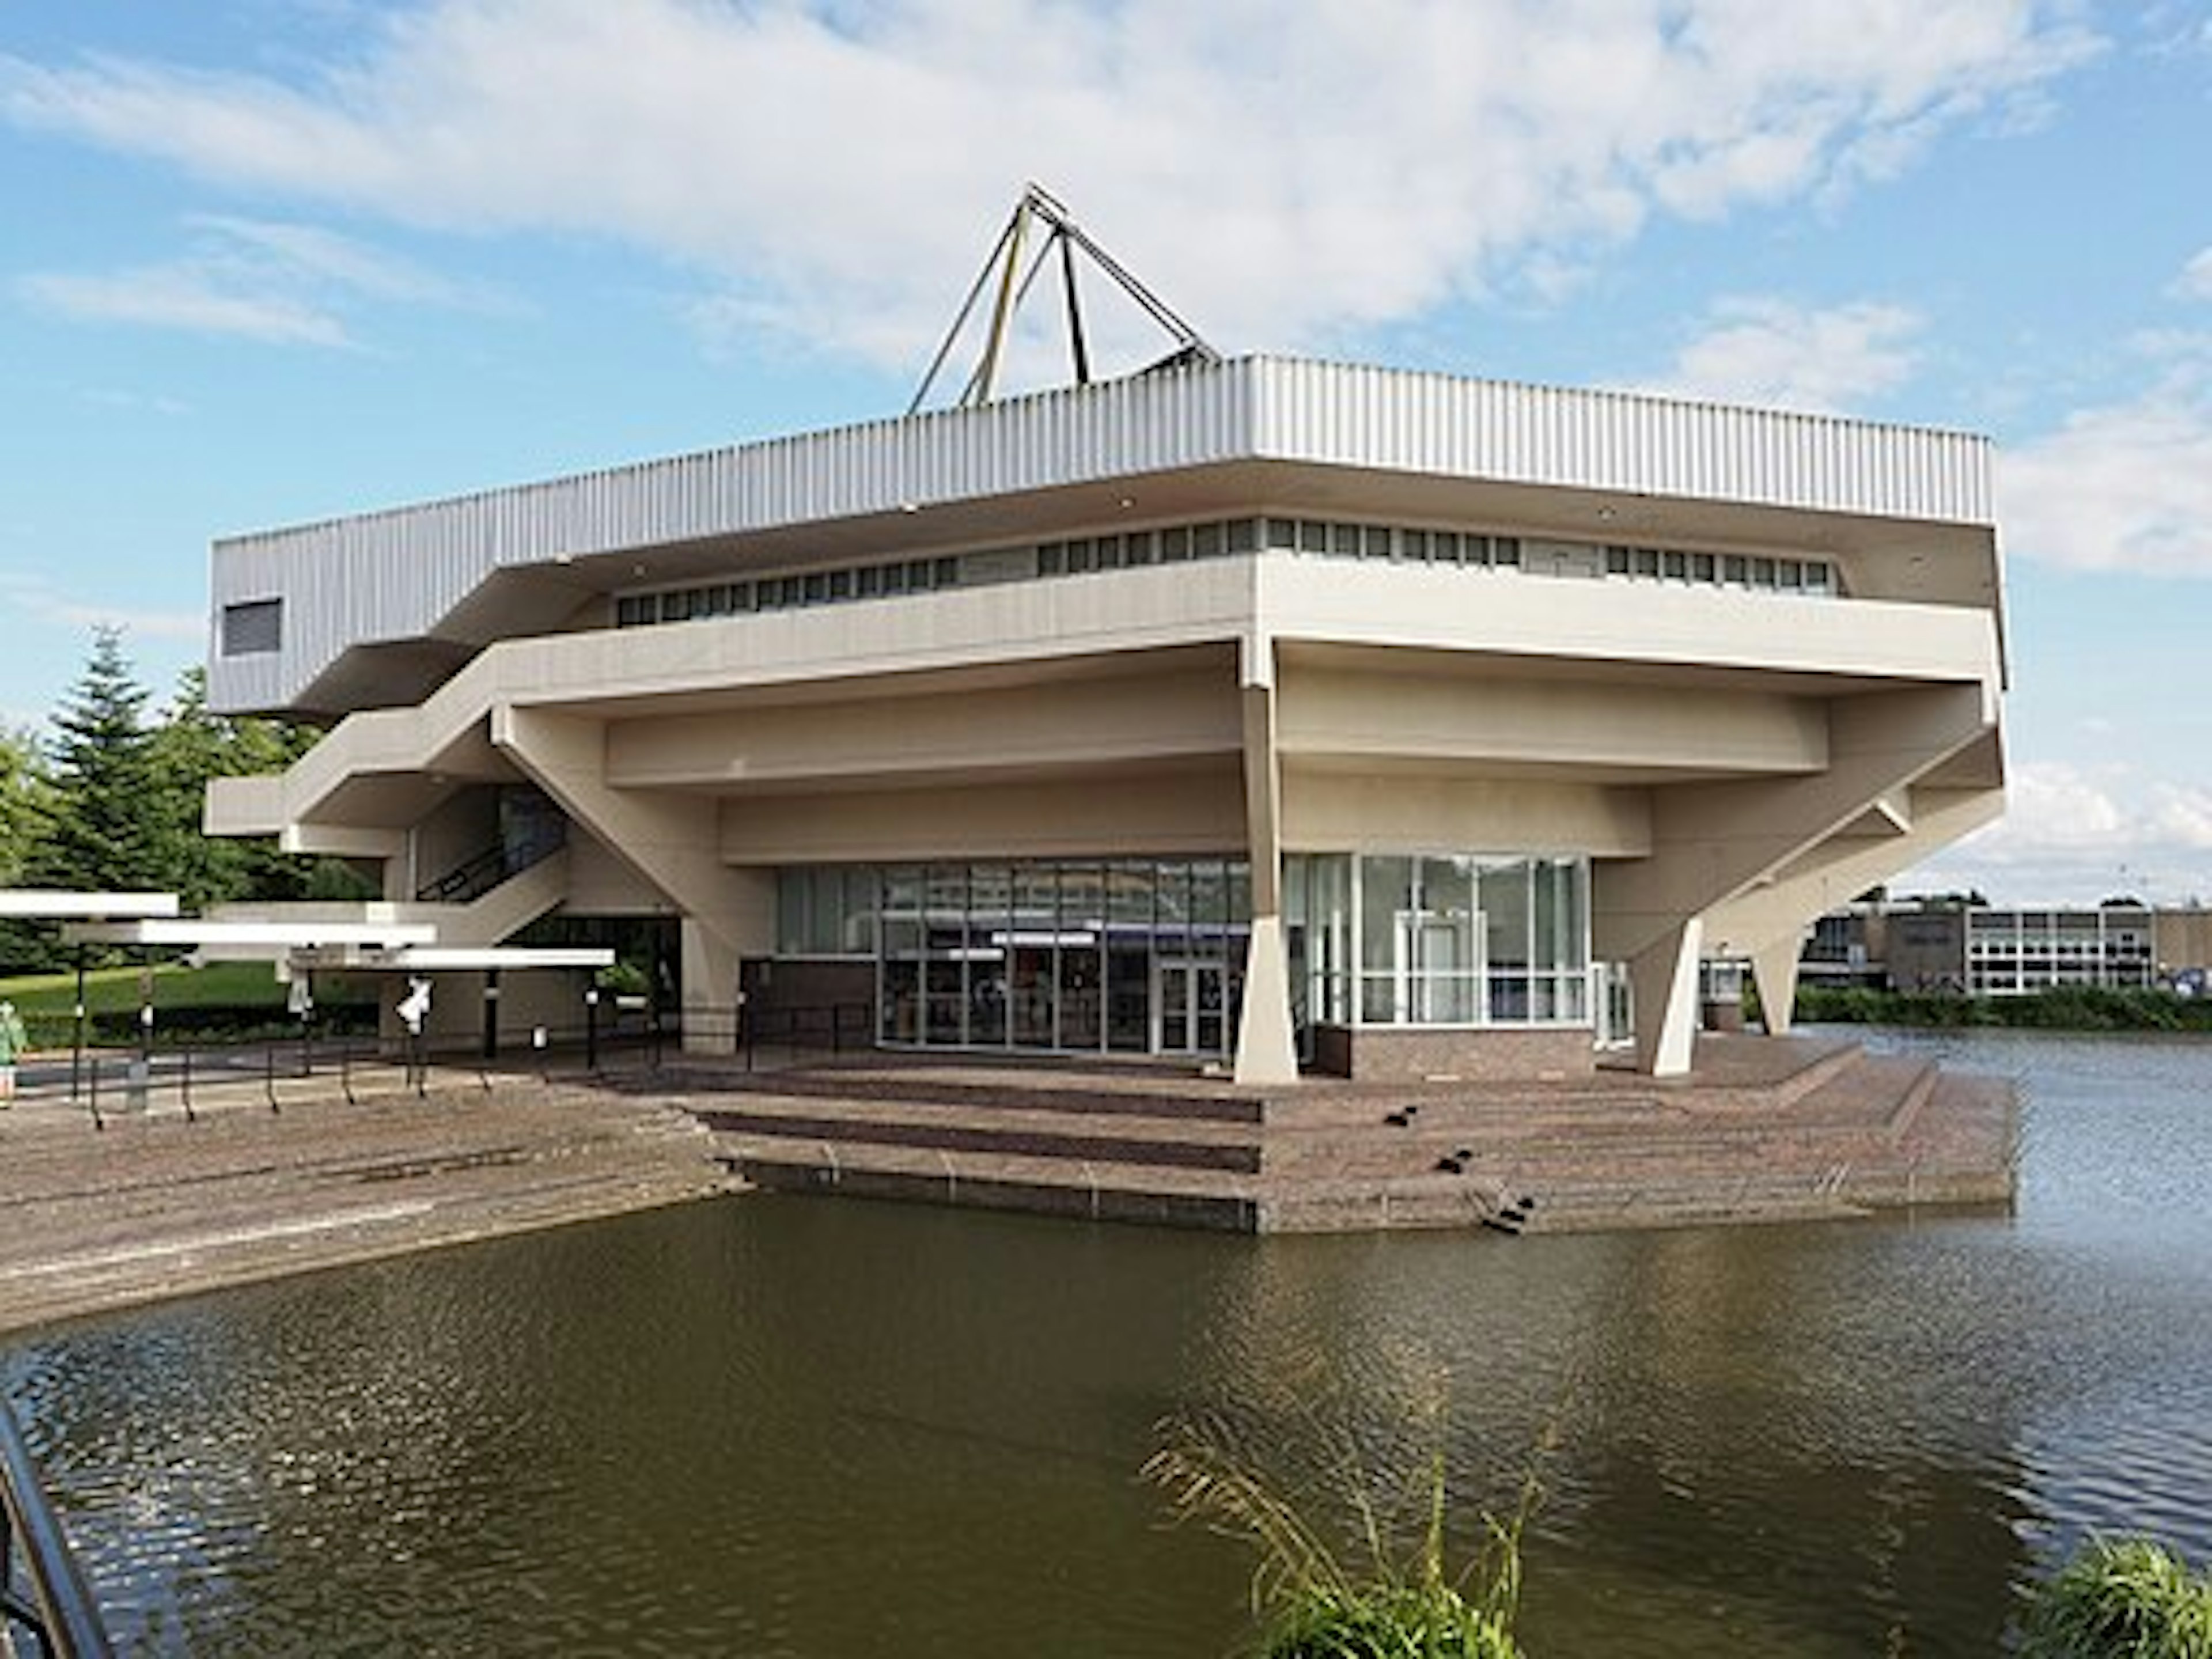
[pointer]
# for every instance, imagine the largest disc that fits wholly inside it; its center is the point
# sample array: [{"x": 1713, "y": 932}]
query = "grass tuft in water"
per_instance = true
[
  {"x": 1391, "y": 1593},
  {"x": 2129, "y": 1599}
]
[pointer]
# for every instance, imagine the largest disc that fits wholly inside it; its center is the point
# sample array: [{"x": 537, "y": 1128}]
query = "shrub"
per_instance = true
[{"x": 2126, "y": 1600}]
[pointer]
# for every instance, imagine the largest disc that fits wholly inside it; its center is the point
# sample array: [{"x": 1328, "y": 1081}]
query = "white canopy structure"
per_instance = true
[{"x": 58, "y": 904}]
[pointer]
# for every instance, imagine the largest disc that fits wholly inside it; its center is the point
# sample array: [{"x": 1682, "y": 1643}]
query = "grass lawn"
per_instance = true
[
  {"x": 116, "y": 990},
  {"x": 224, "y": 1001}
]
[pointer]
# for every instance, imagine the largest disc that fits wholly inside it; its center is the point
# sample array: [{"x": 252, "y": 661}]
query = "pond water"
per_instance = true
[{"x": 781, "y": 1426}]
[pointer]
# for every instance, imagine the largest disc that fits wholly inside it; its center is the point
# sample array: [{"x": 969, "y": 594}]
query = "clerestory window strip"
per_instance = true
[{"x": 1080, "y": 555}]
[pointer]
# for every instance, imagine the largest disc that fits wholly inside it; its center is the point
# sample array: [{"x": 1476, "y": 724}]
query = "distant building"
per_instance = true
[{"x": 1978, "y": 950}]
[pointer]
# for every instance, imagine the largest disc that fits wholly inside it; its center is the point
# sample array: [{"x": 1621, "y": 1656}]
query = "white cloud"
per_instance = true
[
  {"x": 257, "y": 279},
  {"x": 2072, "y": 835},
  {"x": 1769, "y": 351},
  {"x": 2195, "y": 281},
  {"x": 36, "y": 597},
  {"x": 1280, "y": 174},
  {"x": 188, "y": 297},
  {"x": 2126, "y": 486}
]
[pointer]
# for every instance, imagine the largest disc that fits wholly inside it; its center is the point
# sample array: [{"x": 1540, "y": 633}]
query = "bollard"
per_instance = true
[{"x": 591, "y": 1029}]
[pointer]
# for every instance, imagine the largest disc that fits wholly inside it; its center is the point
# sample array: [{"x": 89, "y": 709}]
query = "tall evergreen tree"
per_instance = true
[
  {"x": 108, "y": 831},
  {"x": 24, "y": 803}
]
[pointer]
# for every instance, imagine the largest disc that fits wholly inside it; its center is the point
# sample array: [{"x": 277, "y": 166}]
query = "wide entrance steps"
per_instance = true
[{"x": 1764, "y": 1129}]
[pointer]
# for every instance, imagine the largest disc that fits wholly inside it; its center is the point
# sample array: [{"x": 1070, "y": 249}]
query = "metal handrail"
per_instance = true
[
  {"x": 479, "y": 874},
  {"x": 60, "y": 1616}
]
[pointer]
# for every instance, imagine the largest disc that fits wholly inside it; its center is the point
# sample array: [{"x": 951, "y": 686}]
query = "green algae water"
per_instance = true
[{"x": 782, "y": 1426}]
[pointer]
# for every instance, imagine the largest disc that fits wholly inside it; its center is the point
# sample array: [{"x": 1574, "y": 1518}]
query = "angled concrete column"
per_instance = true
[
  {"x": 1774, "y": 970},
  {"x": 1767, "y": 923},
  {"x": 670, "y": 841},
  {"x": 1267, "y": 1042},
  {"x": 1712, "y": 842},
  {"x": 1664, "y": 977}
]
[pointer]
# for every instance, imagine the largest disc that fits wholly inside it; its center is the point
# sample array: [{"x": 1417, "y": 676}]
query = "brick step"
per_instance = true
[
  {"x": 1367, "y": 1207},
  {"x": 969, "y": 1092},
  {"x": 1150, "y": 1142},
  {"x": 1059, "y": 1185},
  {"x": 1289, "y": 1153},
  {"x": 1915, "y": 1104},
  {"x": 1690, "y": 1200}
]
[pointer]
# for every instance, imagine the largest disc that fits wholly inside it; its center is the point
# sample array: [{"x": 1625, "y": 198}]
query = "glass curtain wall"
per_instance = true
[
  {"x": 1100, "y": 957},
  {"x": 1453, "y": 940}
]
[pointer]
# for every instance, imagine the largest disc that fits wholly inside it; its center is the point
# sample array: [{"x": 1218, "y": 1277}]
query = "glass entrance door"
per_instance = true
[
  {"x": 1191, "y": 1001},
  {"x": 1436, "y": 962}
]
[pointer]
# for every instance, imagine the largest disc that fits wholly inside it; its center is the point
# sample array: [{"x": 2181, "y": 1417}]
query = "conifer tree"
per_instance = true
[
  {"x": 108, "y": 831},
  {"x": 23, "y": 803}
]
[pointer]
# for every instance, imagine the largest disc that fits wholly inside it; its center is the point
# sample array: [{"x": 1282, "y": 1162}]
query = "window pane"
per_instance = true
[
  {"x": 1505, "y": 913},
  {"x": 1386, "y": 894},
  {"x": 791, "y": 899},
  {"x": 825, "y": 917}
]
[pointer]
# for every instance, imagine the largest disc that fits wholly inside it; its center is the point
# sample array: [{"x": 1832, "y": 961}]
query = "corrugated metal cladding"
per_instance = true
[
  {"x": 1400, "y": 421},
  {"x": 392, "y": 575}
]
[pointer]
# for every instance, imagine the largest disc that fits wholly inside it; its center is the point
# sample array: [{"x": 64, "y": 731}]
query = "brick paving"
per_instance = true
[
  {"x": 156, "y": 1205},
  {"x": 1764, "y": 1129}
]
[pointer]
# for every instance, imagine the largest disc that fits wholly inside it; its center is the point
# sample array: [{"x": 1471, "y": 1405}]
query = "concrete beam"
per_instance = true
[
  {"x": 672, "y": 841},
  {"x": 1712, "y": 842}
]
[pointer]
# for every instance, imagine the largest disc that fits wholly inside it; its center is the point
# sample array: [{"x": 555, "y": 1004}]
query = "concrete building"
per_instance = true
[
  {"x": 1248, "y": 711},
  {"x": 1979, "y": 951}
]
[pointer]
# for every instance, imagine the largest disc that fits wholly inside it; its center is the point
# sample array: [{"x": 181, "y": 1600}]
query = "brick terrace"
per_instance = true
[{"x": 1764, "y": 1129}]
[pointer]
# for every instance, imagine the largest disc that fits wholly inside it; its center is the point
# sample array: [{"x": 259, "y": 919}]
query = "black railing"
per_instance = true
[
  {"x": 762, "y": 1033},
  {"x": 54, "y": 1611},
  {"x": 605, "y": 1033},
  {"x": 475, "y": 876}
]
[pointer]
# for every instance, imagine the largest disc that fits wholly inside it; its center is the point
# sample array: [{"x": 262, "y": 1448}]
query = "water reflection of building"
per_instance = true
[{"x": 1238, "y": 710}]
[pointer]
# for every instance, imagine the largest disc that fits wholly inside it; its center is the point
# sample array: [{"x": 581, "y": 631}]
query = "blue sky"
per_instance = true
[{"x": 267, "y": 260}]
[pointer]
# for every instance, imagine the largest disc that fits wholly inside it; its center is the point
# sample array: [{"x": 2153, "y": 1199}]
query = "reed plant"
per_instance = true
[
  {"x": 1384, "y": 1588},
  {"x": 2124, "y": 1599}
]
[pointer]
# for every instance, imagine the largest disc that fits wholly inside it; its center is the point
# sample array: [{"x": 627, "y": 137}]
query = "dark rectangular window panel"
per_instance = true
[{"x": 253, "y": 629}]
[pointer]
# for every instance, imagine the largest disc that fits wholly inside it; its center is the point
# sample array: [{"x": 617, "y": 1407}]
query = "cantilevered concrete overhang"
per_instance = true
[
  {"x": 1115, "y": 670},
  {"x": 381, "y": 607}
]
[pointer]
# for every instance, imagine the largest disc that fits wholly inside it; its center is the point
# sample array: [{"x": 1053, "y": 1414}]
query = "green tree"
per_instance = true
[
  {"x": 24, "y": 802},
  {"x": 108, "y": 831},
  {"x": 26, "y": 805},
  {"x": 192, "y": 746}
]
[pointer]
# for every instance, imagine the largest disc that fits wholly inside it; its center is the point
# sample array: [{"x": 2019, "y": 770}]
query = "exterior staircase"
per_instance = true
[
  {"x": 494, "y": 915},
  {"x": 1783, "y": 1129}
]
